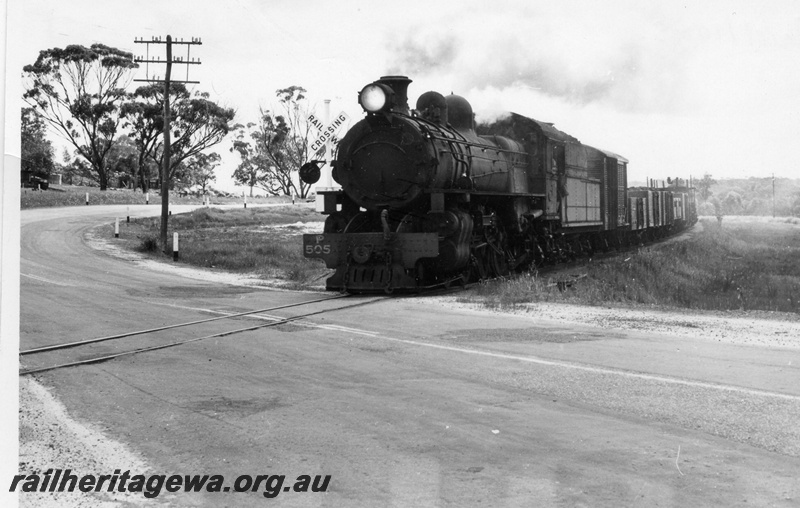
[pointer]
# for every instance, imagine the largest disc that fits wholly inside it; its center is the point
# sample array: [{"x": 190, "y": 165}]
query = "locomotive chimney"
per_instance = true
[{"x": 399, "y": 85}]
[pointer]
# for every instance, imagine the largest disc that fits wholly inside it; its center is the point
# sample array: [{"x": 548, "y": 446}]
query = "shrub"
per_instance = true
[{"x": 148, "y": 244}]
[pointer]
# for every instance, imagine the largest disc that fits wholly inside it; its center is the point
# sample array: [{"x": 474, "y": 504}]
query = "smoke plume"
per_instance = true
[{"x": 578, "y": 56}]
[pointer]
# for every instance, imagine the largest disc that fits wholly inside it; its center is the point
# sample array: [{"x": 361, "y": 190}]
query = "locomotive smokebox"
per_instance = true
[{"x": 399, "y": 85}]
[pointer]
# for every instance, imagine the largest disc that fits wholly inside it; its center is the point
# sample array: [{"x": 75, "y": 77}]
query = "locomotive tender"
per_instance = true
[{"x": 427, "y": 199}]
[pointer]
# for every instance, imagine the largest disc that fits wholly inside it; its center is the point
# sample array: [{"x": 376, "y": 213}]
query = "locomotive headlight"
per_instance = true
[{"x": 375, "y": 97}]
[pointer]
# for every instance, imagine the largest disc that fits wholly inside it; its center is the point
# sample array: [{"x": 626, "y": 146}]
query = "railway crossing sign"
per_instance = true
[{"x": 326, "y": 132}]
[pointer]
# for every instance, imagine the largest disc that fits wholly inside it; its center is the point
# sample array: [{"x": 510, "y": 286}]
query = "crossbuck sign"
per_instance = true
[{"x": 326, "y": 133}]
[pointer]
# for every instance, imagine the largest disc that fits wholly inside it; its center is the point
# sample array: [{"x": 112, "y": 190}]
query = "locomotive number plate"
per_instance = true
[{"x": 405, "y": 248}]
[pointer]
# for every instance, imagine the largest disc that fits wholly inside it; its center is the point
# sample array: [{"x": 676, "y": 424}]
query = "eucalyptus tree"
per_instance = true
[
  {"x": 199, "y": 170},
  {"x": 78, "y": 91},
  {"x": 704, "y": 186},
  {"x": 144, "y": 119},
  {"x": 37, "y": 151},
  {"x": 273, "y": 149},
  {"x": 294, "y": 151},
  {"x": 122, "y": 161},
  {"x": 254, "y": 169},
  {"x": 196, "y": 123}
]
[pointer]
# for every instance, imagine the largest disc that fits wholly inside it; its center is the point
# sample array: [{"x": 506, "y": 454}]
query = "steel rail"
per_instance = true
[
  {"x": 66, "y": 345},
  {"x": 105, "y": 358}
]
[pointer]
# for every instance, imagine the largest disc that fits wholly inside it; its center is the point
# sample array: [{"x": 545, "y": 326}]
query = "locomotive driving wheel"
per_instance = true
[
  {"x": 495, "y": 252},
  {"x": 498, "y": 264}
]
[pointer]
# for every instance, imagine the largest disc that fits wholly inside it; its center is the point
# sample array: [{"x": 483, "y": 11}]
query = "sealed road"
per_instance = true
[{"x": 407, "y": 402}]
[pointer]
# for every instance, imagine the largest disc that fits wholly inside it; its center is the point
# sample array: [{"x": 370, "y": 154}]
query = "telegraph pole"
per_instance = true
[
  {"x": 165, "y": 166},
  {"x": 165, "y": 159}
]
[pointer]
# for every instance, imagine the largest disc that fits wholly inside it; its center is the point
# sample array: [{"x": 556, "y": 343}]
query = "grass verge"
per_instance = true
[
  {"x": 262, "y": 242},
  {"x": 744, "y": 264},
  {"x": 69, "y": 195},
  {"x": 741, "y": 265}
]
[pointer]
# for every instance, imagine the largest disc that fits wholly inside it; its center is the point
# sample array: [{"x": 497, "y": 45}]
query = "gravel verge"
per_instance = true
[
  {"x": 751, "y": 328},
  {"x": 49, "y": 436}
]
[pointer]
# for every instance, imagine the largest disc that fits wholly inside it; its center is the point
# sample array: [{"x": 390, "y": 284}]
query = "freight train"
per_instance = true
[{"x": 428, "y": 198}]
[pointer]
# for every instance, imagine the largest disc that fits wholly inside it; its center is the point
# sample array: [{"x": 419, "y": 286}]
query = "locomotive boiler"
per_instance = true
[{"x": 426, "y": 199}]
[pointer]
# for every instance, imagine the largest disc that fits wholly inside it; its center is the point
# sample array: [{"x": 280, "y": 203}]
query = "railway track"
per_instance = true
[
  {"x": 443, "y": 287},
  {"x": 150, "y": 332}
]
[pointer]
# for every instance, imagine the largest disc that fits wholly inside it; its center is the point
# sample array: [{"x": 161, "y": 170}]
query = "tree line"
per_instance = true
[
  {"x": 116, "y": 135},
  {"x": 748, "y": 196}
]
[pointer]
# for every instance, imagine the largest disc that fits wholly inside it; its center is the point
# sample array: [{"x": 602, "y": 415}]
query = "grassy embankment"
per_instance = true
[
  {"x": 241, "y": 240},
  {"x": 749, "y": 263},
  {"x": 74, "y": 195},
  {"x": 263, "y": 242}
]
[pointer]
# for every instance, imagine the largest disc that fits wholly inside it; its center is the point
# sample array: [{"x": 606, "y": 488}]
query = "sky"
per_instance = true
[{"x": 679, "y": 88}]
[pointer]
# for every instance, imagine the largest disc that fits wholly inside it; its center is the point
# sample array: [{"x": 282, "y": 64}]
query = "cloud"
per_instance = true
[{"x": 417, "y": 56}]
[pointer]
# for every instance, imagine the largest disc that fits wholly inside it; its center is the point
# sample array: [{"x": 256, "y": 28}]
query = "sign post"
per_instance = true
[{"x": 321, "y": 146}]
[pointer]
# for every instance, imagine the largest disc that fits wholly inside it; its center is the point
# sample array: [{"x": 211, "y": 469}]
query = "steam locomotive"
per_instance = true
[{"x": 428, "y": 199}]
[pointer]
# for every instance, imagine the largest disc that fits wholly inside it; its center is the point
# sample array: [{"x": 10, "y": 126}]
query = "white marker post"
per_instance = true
[
  {"x": 245, "y": 199},
  {"x": 147, "y": 198},
  {"x": 116, "y": 228},
  {"x": 128, "y": 213},
  {"x": 175, "y": 246},
  {"x": 87, "y": 198}
]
